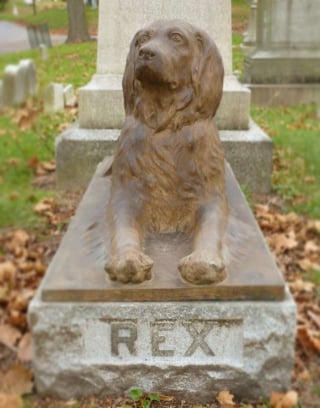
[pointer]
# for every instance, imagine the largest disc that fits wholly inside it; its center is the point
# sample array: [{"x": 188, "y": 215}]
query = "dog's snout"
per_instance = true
[{"x": 147, "y": 53}]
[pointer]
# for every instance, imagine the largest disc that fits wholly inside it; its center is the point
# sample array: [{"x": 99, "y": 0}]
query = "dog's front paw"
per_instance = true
[
  {"x": 201, "y": 267},
  {"x": 130, "y": 267}
]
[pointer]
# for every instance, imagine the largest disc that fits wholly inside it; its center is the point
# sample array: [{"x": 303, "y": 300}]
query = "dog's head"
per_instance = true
[{"x": 174, "y": 57}]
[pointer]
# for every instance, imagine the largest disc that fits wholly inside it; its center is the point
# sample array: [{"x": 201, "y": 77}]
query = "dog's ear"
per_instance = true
[
  {"x": 207, "y": 75},
  {"x": 128, "y": 80}
]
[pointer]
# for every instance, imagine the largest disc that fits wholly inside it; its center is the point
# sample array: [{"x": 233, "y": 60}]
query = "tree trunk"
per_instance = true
[
  {"x": 34, "y": 7},
  {"x": 78, "y": 31}
]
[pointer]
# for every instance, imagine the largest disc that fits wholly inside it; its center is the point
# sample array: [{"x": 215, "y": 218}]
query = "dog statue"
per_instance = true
[{"x": 168, "y": 169}]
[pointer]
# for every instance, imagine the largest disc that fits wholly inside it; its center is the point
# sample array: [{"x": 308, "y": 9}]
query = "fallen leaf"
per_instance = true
[
  {"x": 9, "y": 334},
  {"x": 7, "y": 271},
  {"x": 166, "y": 397},
  {"x": 16, "y": 381},
  {"x": 10, "y": 401},
  {"x": 283, "y": 242},
  {"x": 308, "y": 341},
  {"x": 311, "y": 246},
  {"x": 314, "y": 317},
  {"x": 305, "y": 264},
  {"x": 225, "y": 398},
  {"x": 299, "y": 285},
  {"x": 309, "y": 179},
  {"x": 280, "y": 400},
  {"x": 20, "y": 237},
  {"x": 24, "y": 348},
  {"x": 49, "y": 165}
]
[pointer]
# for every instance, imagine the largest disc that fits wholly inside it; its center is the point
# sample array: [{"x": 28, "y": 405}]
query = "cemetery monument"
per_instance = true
[
  {"x": 101, "y": 110},
  {"x": 284, "y": 65},
  {"x": 228, "y": 321}
]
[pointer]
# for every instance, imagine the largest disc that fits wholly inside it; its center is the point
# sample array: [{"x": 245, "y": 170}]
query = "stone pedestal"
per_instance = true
[
  {"x": 91, "y": 336},
  {"x": 79, "y": 150},
  {"x": 101, "y": 101},
  {"x": 287, "y": 53}
]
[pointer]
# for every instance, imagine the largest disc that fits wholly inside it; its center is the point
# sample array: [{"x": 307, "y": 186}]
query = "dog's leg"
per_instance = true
[
  {"x": 205, "y": 264},
  {"x": 127, "y": 263}
]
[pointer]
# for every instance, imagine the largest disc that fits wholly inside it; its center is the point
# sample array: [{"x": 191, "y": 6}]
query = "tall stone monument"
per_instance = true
[
  {"x": 163, "y": 280},
  {"x": 101, "y": 111},
  {"x": 284, "y": 67}
]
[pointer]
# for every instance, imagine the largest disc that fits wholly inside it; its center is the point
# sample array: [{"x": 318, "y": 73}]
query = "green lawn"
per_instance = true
[
  {"x": 295, "y": 132},
  {"x": 52, "y": 13},
  {"x": 66, "y": 64}
]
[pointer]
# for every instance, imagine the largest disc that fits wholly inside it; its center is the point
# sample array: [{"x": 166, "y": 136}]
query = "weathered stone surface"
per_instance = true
[
  {"x": 69, "y": 96},
  {"x": 53, "y": 98},
  {"x": 284, "y": 94},
  {"x": 250, "y": 155},
  {"x": 105, "y": 87},
  {"x": 188, "y": 349},
  {"x": 13, "y": 85},
  {"x": 214, "y": 17},
  {"x": 29, "y": 73},
  {"x": 78, "y": 151},
  {"x": 287, "y": 48},
  {"x": 44, "y": 52},
  {"x": 106, "y": 90},
  {"x": 77, "y": 271}
]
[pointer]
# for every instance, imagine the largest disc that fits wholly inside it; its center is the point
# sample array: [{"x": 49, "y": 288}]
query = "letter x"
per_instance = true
[{"x": 198, "y": 338}]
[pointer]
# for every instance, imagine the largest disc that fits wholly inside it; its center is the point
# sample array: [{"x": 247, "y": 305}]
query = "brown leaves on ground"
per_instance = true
[
  {"x": 295, "y": 242},
  {"x": 56, "y": 213},
  {"x": 16, "y": 381},
  {"x": 41, "y": 168},
  {"x": 21, "y": 270}
]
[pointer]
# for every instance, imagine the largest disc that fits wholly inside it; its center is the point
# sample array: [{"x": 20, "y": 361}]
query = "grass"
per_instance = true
[
  {"x": 52, "y": 13},
  {"x": 295, "y": 132},
  {"x": 20, "y": 146}
]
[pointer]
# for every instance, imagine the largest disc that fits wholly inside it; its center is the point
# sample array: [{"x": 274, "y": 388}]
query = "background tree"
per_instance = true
[
  {"x": 78, "y": 30},
  {"x": 34, "y": 7}
]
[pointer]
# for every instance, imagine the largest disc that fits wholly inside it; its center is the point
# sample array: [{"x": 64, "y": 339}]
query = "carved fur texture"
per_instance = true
[{"x": 168, "y": 168}]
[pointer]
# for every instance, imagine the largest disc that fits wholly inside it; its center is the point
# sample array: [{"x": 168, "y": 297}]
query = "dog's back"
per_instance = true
[{"x": 174, "y": 171}]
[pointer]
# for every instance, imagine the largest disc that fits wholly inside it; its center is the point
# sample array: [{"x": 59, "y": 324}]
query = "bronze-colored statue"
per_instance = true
[{"x": 168, "y": 168}]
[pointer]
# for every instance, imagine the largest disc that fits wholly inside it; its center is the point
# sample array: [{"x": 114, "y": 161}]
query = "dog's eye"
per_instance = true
[
  {"x": 176, "y": 37},
  {"x": 143, "y": 38}
]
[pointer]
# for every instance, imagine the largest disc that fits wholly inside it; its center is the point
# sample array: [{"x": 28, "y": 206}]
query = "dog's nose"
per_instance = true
[{"x": 146, "y": 53}]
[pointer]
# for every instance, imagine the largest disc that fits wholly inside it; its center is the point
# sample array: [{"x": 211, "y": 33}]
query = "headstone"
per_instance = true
[
  {"x": 15, "y": 10},
  {"x": 93, "y": 336},
  {"x": 53, "y": 98},
  {"x": 284, "y": 67},
  {"x": 69, "y": 96},
  {"x": 13, "y": 85},
  {"x": 44, "y": 52},
  {"x": 30, "y": 76},
  {"x": 250, "y": 36},
  {"x": 101, "y": 111}
]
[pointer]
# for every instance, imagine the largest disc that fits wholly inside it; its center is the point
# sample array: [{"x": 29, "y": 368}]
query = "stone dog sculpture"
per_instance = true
[{"x": 168, "y": 167}]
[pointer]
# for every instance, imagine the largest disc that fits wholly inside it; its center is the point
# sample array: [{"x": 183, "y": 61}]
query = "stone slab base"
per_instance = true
[
  {"x": 190, "y": 350},
  {"x": 77, "y": 273},
  {"x": 284, "y": 94},
  {"x": 106, "y": 91},
  {"x": 78, "y": 151},
  {"x": 282, "y": 66}
]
